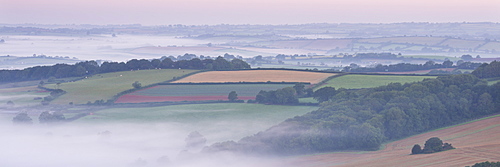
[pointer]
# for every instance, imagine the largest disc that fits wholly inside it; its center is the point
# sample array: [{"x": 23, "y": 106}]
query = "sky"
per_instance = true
[{"x": 200, "y": 12}]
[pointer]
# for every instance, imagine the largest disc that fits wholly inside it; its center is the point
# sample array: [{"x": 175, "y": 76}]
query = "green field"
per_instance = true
[
  {"x": 231, "y": 121},
  {"x": 105, "y": 86},
  {"x": 209, "y": 89},
  {"x": 370, "y": 81}
]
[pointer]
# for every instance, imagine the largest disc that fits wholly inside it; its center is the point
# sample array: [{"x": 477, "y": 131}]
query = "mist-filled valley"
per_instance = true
[
  {"x": 144, "y": 137},
  {"x": 325, "y": 94}
]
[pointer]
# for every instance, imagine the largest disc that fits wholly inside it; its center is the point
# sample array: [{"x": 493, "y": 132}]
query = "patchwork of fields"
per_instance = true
[
  {"x": 105, "y": 86},
  {"x": 197, "y": 92}
]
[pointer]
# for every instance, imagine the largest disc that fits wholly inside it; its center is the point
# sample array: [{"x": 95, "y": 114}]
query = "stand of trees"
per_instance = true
[
  {"x": 432, "y": 145},
  {"x": 486, "y": 70},
  {"x": 486, "y": 164},
  {"x": 87, "y": 68},
  {"x": 411, "y": 67},
  {"x": 363, "y": 119}
]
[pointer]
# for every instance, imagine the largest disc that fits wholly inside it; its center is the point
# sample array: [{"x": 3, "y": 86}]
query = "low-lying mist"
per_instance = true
[{"x": 108, "y": 144}]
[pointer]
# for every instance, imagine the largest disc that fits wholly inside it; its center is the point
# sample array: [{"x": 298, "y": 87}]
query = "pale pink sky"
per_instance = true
[{"x": 164, "y": 12}]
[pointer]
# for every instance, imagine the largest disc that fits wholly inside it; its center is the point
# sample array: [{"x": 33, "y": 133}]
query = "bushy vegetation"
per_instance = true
[
  {"x": 363, "y": 119},
  {"x": 487, "y": 164},
  {"x": 432, "y": 145},
  {"x": 486, "y": 70},
  {"x": 88, "y": 68}
]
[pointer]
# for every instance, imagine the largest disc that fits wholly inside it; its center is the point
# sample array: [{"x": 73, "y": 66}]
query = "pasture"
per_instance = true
[
  {"x": 22, "y": 96},
  {"x": 217, "y": 122},
  {"x": 356, "y": 81},
  {"x": 475, "y": 141},
  {"x": 256, "y": 76},
  {"x": 197, "y": 92},
  {"x": 105, "y": 86}
]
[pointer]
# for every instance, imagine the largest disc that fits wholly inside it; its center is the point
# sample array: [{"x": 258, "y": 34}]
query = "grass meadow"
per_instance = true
[
  {"x": 369, "y": 81},
  {"x": 105, "y": 86}
]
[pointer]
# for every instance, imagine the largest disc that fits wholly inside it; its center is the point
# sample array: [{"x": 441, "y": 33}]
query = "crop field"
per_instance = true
[
  {"x": 217, "y": 122},
  {"x": 256, "y": 76},
  {"x": 475, "y": 141},
  {"x": 202, "y": 92},
  {"x": 105, "y": 86},
  {"x": 370, "y": 81}
]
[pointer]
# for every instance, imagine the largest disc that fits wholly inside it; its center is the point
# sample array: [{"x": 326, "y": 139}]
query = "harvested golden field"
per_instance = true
[
  {"x": 256, "y": 76},
  {"x": 474, "y": 142}
]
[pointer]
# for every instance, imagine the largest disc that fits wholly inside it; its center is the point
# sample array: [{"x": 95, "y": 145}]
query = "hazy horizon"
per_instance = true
[{"x": 201, "y": 12}]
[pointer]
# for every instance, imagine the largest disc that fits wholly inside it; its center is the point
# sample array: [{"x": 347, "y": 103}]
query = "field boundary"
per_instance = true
[{"x": 227, "y": 83}]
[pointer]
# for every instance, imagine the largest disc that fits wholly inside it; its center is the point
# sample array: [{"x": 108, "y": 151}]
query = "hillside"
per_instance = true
[
  {"x": 105, "y": 86},
  {"x": 476, "y": 141}
]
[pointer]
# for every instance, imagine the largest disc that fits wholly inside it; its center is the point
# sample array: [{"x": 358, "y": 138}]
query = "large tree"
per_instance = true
[
  {"x": 232, "y": 96},
  {"x": 324, "y": 94}
]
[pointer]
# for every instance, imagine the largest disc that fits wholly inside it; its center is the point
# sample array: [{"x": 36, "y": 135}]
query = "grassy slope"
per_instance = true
[
  {"x": 475, "y": 141},
  {"x": 105, "y": 86},
  {"x": 231, "y": 121},
  {"x": 369, "y": 81},
  {"x": 22, "y": 96}
]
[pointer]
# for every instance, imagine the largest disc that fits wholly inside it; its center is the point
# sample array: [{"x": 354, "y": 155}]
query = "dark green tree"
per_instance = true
[
  {"x": 136, "y": 85},
  {"x": 432, "y": 145},
  {"x": 487, "y": 164},
  {"x": 299, "y": 88},
  {"x": 324, "y": 94},
  {"x": 416, "y": 149},
  {"x": 232, "y": 96}
]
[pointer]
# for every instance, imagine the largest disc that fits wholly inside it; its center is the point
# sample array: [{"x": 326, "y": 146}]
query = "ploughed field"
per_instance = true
[
  {"x": 197, "y": 92},
  {"x": 256, "y": 76},
  {"x": 474, "y": 142}
]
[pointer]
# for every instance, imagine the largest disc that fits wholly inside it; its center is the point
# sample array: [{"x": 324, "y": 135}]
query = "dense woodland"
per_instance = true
[
  {"x": 364, "y": 119},
  {"x": 92, "y": 67}
]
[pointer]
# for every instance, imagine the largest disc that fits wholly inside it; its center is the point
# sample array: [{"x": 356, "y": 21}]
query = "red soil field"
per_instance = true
[
  {"x": 474, "y": 142},
  {"x": 143, "y": 99}
]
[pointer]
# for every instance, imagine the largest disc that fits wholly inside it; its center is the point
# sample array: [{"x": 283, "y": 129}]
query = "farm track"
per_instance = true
[{"x": 474, "y": 142}]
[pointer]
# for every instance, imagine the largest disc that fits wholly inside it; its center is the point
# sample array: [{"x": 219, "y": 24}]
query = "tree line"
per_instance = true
[
  {"x": 87, "y": 68},
  {"x": 364, "y": 119},
  {"x": 401, "y": 67}
]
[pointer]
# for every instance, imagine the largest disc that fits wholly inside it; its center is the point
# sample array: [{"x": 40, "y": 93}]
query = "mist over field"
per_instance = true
[
  {"x": 248, "y": 83},
  {"x": 109, "y": 144}
]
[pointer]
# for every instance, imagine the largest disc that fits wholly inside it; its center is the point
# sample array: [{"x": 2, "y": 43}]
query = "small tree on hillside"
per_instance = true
[
  {"x": 232, "y": 96},
  {"x": 137, "y": 85},
  {"x": 416, "y": 149}
]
